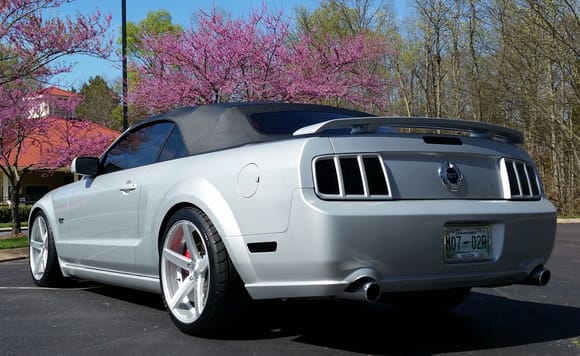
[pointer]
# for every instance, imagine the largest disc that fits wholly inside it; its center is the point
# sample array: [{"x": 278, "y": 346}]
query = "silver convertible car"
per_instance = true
[{"x": 207, "y": 205}]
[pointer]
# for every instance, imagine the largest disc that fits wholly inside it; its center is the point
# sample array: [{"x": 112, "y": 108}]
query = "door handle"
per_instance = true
[{"x": 128, "y": 187}]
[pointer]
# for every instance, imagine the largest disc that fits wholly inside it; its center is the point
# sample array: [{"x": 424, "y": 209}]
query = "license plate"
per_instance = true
[{"x": 463, "y": 243}]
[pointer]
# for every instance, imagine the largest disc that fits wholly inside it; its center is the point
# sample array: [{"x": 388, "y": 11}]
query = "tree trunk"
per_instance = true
[{"x": 16, "y": 223}]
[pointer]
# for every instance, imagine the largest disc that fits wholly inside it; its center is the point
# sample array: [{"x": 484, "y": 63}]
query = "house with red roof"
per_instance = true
[
  {"x": 60, "y": 136},
  {"x": 56, "y": 102}
]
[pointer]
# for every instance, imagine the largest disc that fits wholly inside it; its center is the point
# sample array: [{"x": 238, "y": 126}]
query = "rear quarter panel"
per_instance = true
[{"x": 215, "y": 183}]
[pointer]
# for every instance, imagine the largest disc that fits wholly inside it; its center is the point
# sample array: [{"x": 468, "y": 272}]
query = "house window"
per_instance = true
[{"x": 60, "y": 108}]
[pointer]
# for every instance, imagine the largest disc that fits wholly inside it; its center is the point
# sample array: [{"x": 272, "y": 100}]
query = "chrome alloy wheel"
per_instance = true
[
  {"x": 185, "y": 271},
  {"x": 39, "y": 247}
]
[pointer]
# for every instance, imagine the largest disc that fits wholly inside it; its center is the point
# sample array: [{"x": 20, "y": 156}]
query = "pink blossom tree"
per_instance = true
[
  {"x": 225, "y": 59},
  {"x": 68, "y": 139},
  {"x": 14, "y": 131},
  {"x": 31, "y": 46},
  {"x": 340, "y": 70},
  {"x": 221, "y": 59},
  {"x": 55, "y": 140}
]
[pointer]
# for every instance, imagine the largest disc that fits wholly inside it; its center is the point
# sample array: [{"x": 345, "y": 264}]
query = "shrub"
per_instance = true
[{"x": 6, "y": 215}]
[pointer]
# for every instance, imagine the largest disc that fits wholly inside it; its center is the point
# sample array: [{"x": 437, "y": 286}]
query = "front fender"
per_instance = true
[{"x": 54, "y": 206}]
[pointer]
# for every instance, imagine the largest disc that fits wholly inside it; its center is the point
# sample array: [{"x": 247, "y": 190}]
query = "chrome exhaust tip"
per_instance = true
[
  {"x": 364, "y": 289},
  {"x": 538, "y": 277}
]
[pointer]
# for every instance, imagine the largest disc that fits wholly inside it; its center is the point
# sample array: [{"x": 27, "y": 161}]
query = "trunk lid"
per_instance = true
[{"x": 430, "y": 167}]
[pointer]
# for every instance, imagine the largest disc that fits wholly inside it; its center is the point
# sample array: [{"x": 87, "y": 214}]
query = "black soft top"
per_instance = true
[{"x": 219, "y": 126}]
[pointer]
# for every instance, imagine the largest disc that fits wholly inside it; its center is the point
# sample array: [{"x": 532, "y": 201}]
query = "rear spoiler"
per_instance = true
[{"x": 372, "y": 124}]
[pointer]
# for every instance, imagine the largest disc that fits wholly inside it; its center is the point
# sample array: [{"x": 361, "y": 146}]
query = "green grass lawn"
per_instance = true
[
  {"x": 5, "y": 225},
  {"x": 13, "y": 242}
]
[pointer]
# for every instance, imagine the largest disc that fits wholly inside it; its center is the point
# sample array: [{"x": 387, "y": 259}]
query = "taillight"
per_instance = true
[
  {"x": 520, "y": 180},
  {"x": 351, "y": 177}
]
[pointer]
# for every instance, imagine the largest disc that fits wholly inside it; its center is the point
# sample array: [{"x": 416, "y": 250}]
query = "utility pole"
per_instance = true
[{"x": 124, "y": 53}]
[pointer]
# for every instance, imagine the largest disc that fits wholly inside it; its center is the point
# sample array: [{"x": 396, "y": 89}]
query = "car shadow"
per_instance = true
[
  {"x": 149, "y": 300},
  {"x": 482, "y": 322}
]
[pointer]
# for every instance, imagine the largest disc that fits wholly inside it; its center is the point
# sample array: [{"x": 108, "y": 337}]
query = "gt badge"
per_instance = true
[{"x": 451, "y": 176}]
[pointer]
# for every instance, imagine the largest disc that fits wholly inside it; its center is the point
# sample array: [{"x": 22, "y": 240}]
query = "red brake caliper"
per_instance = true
[{"x": 188, "y": 255}]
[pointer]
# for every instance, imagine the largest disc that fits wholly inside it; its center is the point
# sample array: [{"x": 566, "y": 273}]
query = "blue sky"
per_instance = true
[{"x": 181, "y": 11}]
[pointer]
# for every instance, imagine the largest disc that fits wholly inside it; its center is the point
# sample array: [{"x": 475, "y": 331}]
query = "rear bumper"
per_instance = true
[{"x": 399, "y": 244}]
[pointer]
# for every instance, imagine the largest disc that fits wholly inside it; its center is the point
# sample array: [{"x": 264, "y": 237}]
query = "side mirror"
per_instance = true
[{"x": 85, "y": 166}]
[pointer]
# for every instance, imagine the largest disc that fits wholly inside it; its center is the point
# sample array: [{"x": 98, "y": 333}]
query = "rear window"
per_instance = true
[{"x": 286, "y": 122}]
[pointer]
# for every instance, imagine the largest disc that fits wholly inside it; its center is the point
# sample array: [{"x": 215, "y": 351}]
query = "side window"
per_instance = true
[
  {"x": 174, "y": 147},
  {"x": 137, "y": 149}
]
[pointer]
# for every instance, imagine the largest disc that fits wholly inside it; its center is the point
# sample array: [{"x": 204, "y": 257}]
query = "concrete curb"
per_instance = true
[
  {"x": 8, "y": 229},
  {"x": 568, "y": 221},
  {"x": 13, "y": 254}
]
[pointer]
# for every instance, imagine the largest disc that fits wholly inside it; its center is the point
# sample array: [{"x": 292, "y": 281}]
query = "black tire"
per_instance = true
[
  {"x": 44, "y": 267},
  {"x": 207, "y": 270},
  {"x": 428, "y": 301}
]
